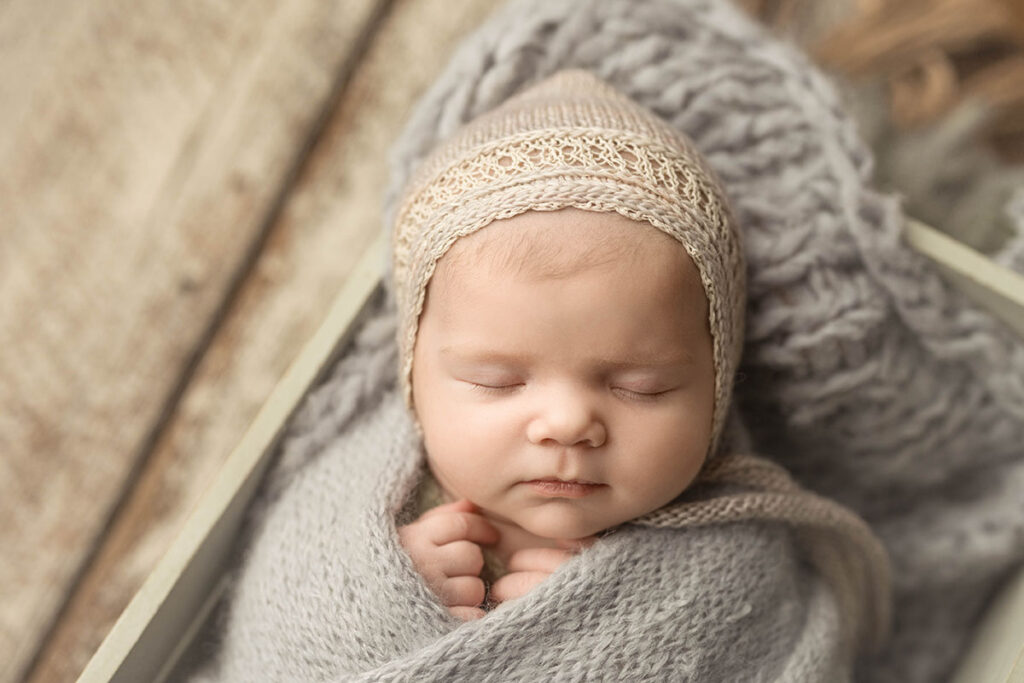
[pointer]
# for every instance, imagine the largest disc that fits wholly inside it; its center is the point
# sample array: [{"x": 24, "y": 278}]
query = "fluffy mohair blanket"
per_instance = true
[{"x": 863, "y": 373}]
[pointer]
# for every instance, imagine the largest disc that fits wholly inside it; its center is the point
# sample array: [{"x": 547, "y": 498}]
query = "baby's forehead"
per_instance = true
[{"x": 559, "y": 244}]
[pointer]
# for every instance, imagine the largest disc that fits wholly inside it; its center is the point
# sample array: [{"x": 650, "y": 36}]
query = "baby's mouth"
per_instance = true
[{"x": 564, "y": 488}]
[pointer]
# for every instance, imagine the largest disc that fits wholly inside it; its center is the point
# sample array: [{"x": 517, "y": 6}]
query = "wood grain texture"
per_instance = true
[
  {"x": 144, "y": 145},
  {"x": 328, "y": 220}
]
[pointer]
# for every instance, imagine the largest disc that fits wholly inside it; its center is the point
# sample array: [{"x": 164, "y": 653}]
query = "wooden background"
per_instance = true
[{"x": 184, "y": 188}]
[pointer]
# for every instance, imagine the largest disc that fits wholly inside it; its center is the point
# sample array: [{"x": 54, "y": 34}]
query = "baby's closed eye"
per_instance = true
[
  {"x": 494, "y": 386},
  {"x": 641, "y": 395}
]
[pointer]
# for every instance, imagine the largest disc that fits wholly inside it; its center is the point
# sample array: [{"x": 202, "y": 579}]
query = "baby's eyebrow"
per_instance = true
[
  {"x": 484, "y": 356},
  {"x": 646, "y": 362},
  {"x": 633, "y": 361}
]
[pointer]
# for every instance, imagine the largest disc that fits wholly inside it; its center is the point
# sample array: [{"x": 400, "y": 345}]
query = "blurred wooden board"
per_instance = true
[
  {"x": 995, "y": 287},
  {"x": 328, "y": 219},
  {"x": 996, "y": 653},
  {"x": 146, "y": 146},
  {"x": 153, "y": 632}
]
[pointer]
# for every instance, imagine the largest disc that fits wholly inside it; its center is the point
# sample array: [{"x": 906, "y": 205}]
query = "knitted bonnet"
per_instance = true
[{"x": 571, "y": 141}]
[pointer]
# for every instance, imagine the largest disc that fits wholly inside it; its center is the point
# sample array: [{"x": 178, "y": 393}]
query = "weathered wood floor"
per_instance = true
[{"x": 184, "y": 187}]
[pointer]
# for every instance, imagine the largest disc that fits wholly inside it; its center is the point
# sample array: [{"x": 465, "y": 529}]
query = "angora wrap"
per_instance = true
[{"x": 328, "y": 593}]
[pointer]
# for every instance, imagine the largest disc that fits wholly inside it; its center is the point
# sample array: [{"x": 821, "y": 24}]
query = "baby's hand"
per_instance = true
[
  {"x": 444, "y": 546},
  {"x": 530, "y": 566}
]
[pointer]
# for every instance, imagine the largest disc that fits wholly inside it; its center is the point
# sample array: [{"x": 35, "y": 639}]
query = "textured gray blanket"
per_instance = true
[
  {"x": 328, "y": 594},
  {"x": 863, "y": 373}
]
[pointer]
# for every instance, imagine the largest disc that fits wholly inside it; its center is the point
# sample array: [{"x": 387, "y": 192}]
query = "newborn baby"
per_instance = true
[
  {"x": 564, "y": 380},
  {"x": 568, "y": 288},
  {"x": 571, "y": 289}
]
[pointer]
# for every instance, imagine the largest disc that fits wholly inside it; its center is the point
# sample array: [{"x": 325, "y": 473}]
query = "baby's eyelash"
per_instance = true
[
  {"x": 639, "y": 396},
  {"x": 493, "y": 389},
  {"x": 504, "y": 389}
]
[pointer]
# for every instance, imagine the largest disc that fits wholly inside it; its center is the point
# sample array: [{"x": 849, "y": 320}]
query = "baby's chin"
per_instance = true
[{"x": 562, "y": 525}]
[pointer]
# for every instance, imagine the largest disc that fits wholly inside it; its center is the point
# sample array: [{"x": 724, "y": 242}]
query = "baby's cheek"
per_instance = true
[
  {"x": 463, "y": 457},
  {"x": 661, "y": 465}
]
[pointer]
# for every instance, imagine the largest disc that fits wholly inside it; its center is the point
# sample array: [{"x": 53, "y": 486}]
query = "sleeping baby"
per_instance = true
[
  {"x": 571, "y": 295},
  {"x": 564, "y": 379},
  {"x": 557, "y": 487}
]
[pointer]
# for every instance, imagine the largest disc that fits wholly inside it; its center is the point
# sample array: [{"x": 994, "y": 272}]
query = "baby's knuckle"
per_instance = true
[
  {"x": 447, "y": 590},
  {"x": 462, "y": 557},
  {"x": 467, "y": 591},
  {"x": 474, "y": 556},
  {"x": 501, "y": 590},
  {"x": 461, "y": 524},
  {"x": 475, "y": 592}
]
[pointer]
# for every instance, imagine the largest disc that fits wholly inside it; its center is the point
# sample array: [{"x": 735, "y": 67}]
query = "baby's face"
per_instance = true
[{"x": 569, "y": 398}]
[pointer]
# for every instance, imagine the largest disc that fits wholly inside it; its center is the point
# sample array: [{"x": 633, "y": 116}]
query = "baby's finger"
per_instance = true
[
  {"x": 512, "y": 586},
  {"x": 466, "y": 613},
  {"x": 461, "y": 505},
  {"x": 467, "y": 591},
  {"x": 460, "y": 558},
  {"x": 538, "y": 559},
  {"x": 459, "y": 526}
]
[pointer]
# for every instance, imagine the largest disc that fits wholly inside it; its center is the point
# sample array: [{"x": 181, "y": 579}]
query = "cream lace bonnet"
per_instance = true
[{"x": 572, "y": 141}]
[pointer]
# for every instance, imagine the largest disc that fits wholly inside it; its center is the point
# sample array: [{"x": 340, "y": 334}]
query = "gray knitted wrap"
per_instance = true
[{"x": 862, "y": 372}]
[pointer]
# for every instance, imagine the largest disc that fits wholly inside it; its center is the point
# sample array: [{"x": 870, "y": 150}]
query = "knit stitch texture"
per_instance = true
[{"x": 328, "y": 594}]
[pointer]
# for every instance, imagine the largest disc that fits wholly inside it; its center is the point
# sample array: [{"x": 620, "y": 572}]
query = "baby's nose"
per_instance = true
[{"x": 567, "y": 420}]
